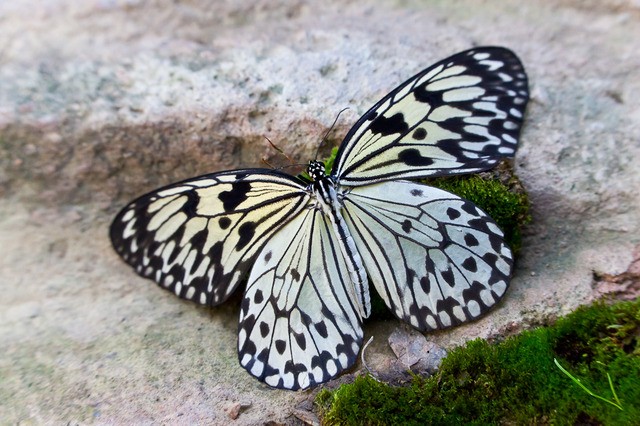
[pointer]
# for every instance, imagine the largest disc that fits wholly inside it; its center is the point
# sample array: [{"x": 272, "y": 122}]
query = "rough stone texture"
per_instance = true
[{"x": 101, "y": 100}]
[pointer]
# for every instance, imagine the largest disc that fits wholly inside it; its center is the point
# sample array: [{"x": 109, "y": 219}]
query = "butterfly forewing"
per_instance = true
[
  {"x": 299, "y": 325},
  {"x": 197, "y": 238},
  {"x": 435, "y": 258},
  {"x": 461, "y": 115}
]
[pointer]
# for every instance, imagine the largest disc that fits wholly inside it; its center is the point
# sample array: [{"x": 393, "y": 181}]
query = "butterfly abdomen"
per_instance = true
[{"x": 324, "y": 188}]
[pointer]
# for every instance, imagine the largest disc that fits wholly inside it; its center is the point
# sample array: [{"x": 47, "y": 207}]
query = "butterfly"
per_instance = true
[{"x": 311, "y": 247}]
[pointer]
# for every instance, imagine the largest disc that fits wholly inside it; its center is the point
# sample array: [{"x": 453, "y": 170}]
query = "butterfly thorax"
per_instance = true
[
  {"x": 316, "y": 170},
  {"x": 324, "y": 189}
]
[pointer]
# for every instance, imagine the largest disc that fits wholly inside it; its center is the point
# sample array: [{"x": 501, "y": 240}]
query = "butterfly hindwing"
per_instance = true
[
  {"x": 435, "y": 258},
  {"x": 461, "y": 115},
  {"x": 299, "y": 325},
  {"x": 197, "y": 238}
]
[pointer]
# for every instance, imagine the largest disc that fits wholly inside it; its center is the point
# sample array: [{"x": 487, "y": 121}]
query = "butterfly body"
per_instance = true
[
  {"x": 312, "y": 249},
  {"x": 326, "y": 190}
]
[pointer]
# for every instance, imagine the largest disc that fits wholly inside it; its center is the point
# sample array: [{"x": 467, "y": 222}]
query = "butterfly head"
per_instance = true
[{"x": 316, "y": 170}]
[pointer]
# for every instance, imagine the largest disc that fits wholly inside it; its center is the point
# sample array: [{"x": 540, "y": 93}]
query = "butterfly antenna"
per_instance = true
[
  {"x": 267, "y": 163},
  {"x": 277, "y": 149},
  {"x": 324, "y": 138}
]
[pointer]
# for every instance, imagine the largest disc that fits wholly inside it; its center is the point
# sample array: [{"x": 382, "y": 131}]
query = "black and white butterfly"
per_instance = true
[{"x": 312, "y": 247}]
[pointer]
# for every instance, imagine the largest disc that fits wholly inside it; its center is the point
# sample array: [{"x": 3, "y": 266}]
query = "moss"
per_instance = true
[
  {"x": 515, "y": 381},
  {"x": 328, "y": 163}
]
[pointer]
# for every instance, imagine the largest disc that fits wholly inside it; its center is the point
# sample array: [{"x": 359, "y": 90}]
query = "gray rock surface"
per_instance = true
[{"x": 103, "y": 100}]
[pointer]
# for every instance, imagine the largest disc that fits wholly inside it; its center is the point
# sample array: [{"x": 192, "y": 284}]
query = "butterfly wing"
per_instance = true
[
  {"x": 198, "y": 238},
  {"x": 461, "y": 115},
  {"x": 435, "y": 258},
  {"x": 298, "y": 322}
]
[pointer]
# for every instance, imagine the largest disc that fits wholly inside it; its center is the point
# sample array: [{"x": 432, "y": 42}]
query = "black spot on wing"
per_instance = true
[
  {"x": 300, "y": 340},
  {"x": 480, "y": 224},
  {"x": 263, "y": 356},
  {"x": 224, "y": 222},
  {"x": 258, "y": 297},
  {"x": 412, "y": 157},
  {"x": 264, "y": 329},
  {"x": 448, "y": 277},
  {"x": 421, "y": 313},
  {"x": 497, "y": 243},
  {"x": 470, "y": 208},
  {"x": 388, "y": 126},
  {"x": 190, "y": 206},
  {"x": 406, "y": 226},
  {"x": 244, "y": 308},
  {"x": 246, "y": 231},
  {"x": 419, "y": 134},
  {"x": 249, "y": 347},
  {"x": 425, "y": 285},
  {"x": 491, "y": 259},
  {"x": 281, "y": 345},
  {"x": 453, "y": 213},
  {"x": 156, "y": 263},
  {"x": 471, "y": 240},
  {"x": 322, "y": 329},
  {"x": 470, "y": 264},
  {"x": 235, "y": 197},
  {"x": 295, "y": 274},
  {"x": 200, "y": 284}
]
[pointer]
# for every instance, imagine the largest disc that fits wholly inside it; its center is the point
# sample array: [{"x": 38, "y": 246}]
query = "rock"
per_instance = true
[
  {"x": 101, "y": 101},
  {"x": 415, "y": 352}
]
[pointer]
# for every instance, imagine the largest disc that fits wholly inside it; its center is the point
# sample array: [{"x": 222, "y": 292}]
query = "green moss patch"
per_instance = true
[{"x": 515, "y": 381}]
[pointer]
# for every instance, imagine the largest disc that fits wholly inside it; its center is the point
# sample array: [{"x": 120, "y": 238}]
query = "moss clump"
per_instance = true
[
  {"x": 515, "y": 381},
  {"x": 328, "y": 163}
]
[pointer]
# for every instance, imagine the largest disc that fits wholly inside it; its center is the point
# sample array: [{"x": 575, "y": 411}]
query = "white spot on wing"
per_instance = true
[
  {"x": 165, "y": 213},
  {"x": 474, "y": 308},
  {"x": 190, "y": 292},
  {"x": 463, "y": 94},
  {"x": 128, "y": 215},
  {"x": 480, "y": 56},
  {"x": 173, "y": 191},
  {"x": 170, "y": 226},
  {"x": 453, "y": 82}
]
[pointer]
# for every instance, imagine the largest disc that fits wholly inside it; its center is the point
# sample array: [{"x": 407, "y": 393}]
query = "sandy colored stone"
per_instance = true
[{"x": 103, "y": 100}]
